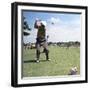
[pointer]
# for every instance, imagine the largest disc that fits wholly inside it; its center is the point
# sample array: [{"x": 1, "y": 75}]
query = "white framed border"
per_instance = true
[{"x": 31, "y": 80}]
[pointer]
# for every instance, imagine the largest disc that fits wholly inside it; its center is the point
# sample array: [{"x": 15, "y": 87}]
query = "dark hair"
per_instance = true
[{"x": 42, "y": 25}]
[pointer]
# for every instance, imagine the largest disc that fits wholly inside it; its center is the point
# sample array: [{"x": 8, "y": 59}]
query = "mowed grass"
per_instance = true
[{"x": 62, "y": 60}]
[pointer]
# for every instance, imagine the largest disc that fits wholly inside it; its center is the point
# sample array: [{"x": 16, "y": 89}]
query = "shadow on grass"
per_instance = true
[
  {"x": 33, "y": 61},
  {"x": 30, "y": 61}
]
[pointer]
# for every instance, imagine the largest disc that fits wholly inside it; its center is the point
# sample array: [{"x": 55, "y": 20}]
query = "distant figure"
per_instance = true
[
  {"x": 41, "y": 40},
  {"x": 68, "y": 45}
]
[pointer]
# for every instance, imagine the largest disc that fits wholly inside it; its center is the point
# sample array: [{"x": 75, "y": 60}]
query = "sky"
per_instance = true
[{"x": 61, "y": 27}]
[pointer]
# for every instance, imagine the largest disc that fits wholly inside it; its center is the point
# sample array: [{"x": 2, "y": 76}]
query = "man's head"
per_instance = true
[
  {"x": 40, "y": 22},
  {"x": 44, "y": 23}
]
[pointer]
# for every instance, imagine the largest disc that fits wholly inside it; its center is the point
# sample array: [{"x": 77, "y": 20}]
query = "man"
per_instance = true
[{"x": 40, "y": 40}]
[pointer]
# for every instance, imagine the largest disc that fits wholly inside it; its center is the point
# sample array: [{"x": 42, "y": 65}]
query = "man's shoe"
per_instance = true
[
  {"x": 48, "y": 59},
  {"x": 37, "y": 61}
]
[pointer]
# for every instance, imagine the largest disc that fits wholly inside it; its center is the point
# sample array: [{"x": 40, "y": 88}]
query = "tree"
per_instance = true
[{"x": 26, "y": 27}]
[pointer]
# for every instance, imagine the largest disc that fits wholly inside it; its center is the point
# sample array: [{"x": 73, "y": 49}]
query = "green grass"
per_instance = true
[{"x": 62, "y": 60}]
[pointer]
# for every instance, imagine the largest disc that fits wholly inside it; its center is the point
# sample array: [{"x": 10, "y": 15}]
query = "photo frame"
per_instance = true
[{"x": 67, "y": 44}]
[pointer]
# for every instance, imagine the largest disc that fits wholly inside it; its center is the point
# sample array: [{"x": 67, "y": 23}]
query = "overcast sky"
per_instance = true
[{"x": 59, "y": 26}]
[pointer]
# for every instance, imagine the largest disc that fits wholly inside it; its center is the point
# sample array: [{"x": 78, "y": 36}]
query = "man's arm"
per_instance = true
[{"x": 35, "y": 25}]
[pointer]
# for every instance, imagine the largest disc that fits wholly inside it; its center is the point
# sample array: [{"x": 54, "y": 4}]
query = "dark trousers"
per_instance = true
[{"x": 45, "y": 50}]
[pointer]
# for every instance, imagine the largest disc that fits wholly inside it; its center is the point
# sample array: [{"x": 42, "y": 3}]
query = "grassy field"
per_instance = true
[{"x": 62, "y": 60}]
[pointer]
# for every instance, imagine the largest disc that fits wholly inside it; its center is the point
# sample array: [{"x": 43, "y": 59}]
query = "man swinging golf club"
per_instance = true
[{"x": 41, "y": 40}]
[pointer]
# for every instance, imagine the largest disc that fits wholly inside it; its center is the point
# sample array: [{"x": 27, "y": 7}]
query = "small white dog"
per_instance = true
[{"x": 73, "y": 71}]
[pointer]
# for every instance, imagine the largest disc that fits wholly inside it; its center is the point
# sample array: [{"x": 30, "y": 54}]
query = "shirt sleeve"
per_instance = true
[{"x": 35, "y": 25}]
